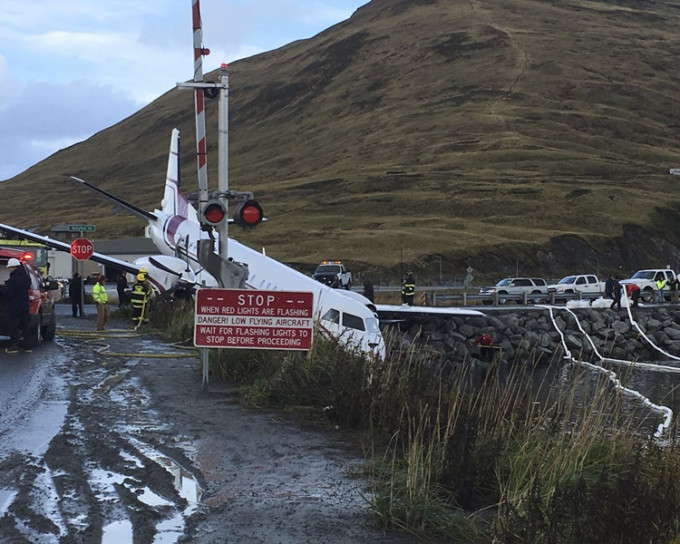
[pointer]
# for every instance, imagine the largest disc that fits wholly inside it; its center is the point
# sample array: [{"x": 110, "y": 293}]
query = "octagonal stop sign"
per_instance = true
[{"x": 82, "y": 249}]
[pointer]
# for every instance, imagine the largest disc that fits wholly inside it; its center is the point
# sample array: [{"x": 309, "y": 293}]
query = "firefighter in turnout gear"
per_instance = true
[
  {"x": 138, "y": 299},
  {"x": 408, "y": 289},
  {"x": 146, "y": 278}
]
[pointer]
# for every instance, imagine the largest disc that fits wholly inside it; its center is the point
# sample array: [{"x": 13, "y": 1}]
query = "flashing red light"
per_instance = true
[
  {"x": 214, "y": 213},
  {"x": 248, "y": 214},
  {"x": 27, "y": 256}
]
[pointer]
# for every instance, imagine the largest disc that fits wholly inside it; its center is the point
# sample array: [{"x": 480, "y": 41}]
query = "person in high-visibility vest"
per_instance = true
[
  {"x": 660, "y": 285},
  {"x": 138, "y": 298},
  {"x": 408, "y": 290},
  {"x": 101, "y": 300}
]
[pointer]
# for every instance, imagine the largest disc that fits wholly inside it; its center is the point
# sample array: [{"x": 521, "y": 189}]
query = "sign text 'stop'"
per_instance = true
[
  {"x": 254, "y": 319},
  {"x": 82, "y": 249}
]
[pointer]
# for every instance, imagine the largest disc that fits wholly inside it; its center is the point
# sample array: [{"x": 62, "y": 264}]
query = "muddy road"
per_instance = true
[{"x": 102, "y": 443}]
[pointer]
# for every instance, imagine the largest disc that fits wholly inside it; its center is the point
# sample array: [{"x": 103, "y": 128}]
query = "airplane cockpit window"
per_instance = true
[
  {"x": 353, "y": 322},
  {"x": 372, "y": 325},
  {"x": 331, "y": 315}
]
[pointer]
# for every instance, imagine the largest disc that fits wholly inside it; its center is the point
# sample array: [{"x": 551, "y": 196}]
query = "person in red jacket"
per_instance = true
[
  {"x": 633, "y": 293},
  {"x": 485, "y": 346}
]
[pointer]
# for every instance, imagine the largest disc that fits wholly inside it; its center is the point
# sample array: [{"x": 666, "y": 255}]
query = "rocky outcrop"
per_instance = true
[{"x": 534, "y": 335}]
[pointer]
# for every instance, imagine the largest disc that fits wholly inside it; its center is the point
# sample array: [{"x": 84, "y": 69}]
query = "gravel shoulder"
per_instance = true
[{"x": 148, "y": 454}]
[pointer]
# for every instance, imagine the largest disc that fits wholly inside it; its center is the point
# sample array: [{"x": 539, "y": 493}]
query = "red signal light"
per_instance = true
[
  {"x": 214, "y": 212},
  {"x": 27, "y": 256},
  {"x": 248, "y": 214}
]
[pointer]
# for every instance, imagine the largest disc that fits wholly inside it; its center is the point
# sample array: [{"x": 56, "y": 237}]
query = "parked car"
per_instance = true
[
  {"x": 92, "y": 278},
  {"x": 43, "y": 324},
  {"x": 586, "y": 284},
  {"x": 646, "y": 281},
  {"x": 333, "y": 273},
  {"x": 516, "y": 287}
]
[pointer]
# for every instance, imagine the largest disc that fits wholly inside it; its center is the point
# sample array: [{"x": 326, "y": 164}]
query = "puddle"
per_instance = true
[
  {"x": 185, "y": 484},
  {"x": 37, "y": 428},
  {"x": 118, "y": 532},
  {"x": 168, "y": 530},
  {"x": 6, "y": 498}
]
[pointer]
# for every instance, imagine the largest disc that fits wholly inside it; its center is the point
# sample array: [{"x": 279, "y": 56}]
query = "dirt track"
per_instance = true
[{"x": 146, "y": 454}]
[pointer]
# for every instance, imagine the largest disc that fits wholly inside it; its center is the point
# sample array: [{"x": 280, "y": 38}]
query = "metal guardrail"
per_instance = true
[
  {"x": 463, "y": 299},
  {"x": 436, "y": 294}
]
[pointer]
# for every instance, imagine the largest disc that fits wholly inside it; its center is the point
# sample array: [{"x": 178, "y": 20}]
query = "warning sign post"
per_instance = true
[{"x": 253, "y": 319}]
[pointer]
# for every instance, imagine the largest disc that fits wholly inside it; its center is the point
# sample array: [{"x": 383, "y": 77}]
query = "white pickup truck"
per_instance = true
[
  {"x": 585, "y": 284},
  {"x": 646, "y": 281}
]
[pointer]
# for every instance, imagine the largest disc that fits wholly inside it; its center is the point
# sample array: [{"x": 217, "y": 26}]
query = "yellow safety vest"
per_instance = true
[{"x": 99, "y": 294}]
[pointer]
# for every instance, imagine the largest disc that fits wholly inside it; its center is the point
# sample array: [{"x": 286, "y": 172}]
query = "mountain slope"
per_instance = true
[{"x": 526, "y": 135}]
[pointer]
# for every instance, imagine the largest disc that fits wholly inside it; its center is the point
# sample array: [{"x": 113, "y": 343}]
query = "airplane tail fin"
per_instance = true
[{"x": 174, "y": 202}]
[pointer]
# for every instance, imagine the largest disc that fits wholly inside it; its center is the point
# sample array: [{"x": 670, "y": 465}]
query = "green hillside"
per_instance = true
[{"x": 510, "y": 135}]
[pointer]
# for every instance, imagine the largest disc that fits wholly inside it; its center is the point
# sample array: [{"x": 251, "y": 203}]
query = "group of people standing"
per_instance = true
[
  {"x": 16, "y": 293},
  {"x": 141, "y": 290},
  {"x": 613, "y": 290}
]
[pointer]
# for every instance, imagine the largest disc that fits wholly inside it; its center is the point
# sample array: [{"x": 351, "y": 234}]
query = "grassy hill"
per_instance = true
[{"x": 509, "y": 135}]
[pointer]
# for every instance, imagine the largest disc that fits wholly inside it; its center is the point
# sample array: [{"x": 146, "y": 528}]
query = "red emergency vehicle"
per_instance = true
[{"x": 41, "y": 304}]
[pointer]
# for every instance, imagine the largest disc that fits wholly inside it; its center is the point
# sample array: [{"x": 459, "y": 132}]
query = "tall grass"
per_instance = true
[{"x": 465, "y": 452}]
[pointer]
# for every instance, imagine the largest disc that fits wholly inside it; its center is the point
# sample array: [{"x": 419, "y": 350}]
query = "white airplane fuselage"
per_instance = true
[{"x": 340, "y": 316}]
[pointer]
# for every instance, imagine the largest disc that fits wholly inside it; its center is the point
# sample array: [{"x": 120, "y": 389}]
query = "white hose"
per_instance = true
[{"x": 664, "y": 410}]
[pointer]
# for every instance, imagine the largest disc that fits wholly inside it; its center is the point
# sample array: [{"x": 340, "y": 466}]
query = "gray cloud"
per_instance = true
[{"x": 44, "y": 118}]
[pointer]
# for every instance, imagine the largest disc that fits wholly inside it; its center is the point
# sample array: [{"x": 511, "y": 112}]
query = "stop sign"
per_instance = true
[{"x": 82, "y": 249}]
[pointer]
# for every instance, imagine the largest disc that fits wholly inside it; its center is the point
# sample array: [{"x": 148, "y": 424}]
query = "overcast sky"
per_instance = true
[{"x": 71, "y": 68}]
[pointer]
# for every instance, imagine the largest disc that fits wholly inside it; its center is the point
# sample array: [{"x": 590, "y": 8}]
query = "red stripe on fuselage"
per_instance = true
[{"x": 170, "y": 229}]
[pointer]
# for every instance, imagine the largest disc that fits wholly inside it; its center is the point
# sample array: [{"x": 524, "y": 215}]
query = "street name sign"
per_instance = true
[
  {"x": 81, "y": 228},
  {"x": 253, "y": 319},
  {"x": 81, "y": 249}
]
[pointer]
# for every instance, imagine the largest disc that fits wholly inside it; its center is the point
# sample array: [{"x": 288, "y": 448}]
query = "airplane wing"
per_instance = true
[
  {"x": 391, "y": 313},
  {"x": 63, "y": 246},
  {"x": 134, "y": 210}
]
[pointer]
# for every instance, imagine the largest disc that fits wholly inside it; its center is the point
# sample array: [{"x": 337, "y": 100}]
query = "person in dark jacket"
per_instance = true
[
  {"x": 121, "y": 286},
  {"x": 618, "y": 288},
  {"x": 609, "y": 287},
  {"x": 673, "y": 286},
  {"x": 369, "y": 292},
  {"x": 75, "y": 292},
  {"x": 16, "y": 294}
]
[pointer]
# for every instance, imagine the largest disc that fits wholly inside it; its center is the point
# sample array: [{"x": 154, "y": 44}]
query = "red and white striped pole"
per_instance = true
[{"x": 199, "y": 103}]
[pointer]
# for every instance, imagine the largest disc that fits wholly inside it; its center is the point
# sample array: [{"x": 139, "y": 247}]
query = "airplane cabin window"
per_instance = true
[
  {"x": 331, "y": 315},
  {"x": 353, "y": 322}
]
